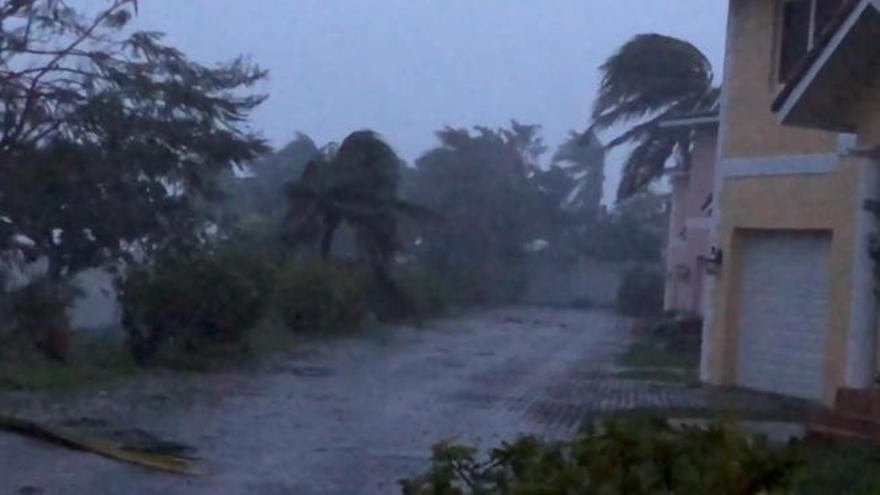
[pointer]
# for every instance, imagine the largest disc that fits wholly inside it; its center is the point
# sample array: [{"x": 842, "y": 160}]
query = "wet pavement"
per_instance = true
[{"x": 348, "y": 416}]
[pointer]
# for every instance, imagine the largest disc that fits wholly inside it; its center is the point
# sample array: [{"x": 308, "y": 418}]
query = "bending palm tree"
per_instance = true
[
  {"x": 652, "y": 77},
  {"x": 356, "y": 185}
]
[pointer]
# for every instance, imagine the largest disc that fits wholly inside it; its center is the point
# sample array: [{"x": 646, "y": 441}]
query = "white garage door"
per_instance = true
[{"x": 784, "y": 314}]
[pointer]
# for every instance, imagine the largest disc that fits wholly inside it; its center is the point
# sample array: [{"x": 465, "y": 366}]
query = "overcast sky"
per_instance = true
[{"x": 406, "y": 68}]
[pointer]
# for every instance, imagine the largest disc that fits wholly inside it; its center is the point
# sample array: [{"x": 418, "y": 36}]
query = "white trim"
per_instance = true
[
  {"x": 807, "y": 80},
  {"x": 811, "y": 36},
  {"x": 690, "y": 121},
  {"x": 774, "y": 165},
  {"x": 861, "y": 334}
]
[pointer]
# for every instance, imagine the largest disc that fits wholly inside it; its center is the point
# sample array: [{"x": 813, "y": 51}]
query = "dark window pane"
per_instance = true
[
  {"x": 826, "y": 12},
  {"x": 795, "y": 36}
]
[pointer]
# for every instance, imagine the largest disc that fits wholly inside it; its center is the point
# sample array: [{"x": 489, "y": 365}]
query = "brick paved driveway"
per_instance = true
[{"x": 351, "y": 416}]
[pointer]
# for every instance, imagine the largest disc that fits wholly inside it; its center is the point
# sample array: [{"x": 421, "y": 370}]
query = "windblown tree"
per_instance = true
[
  {"x": 486, "y": 185},
  {"x": 355, "y": 185},
  {"x": 258, "y": 191},
  {"x": 651, "y": 78},
  {"x": 108, "y": 138},
  {"x": 582, "y": 157}
]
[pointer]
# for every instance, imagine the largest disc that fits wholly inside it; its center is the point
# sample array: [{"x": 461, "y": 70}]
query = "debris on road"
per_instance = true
[{"x": 159, "y": 459}]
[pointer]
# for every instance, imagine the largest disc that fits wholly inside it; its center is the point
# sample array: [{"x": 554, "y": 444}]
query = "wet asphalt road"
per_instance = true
[{"x": 347, "y": 416}]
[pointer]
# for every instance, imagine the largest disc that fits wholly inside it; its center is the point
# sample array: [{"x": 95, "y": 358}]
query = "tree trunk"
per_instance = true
[{"x": 54, "y": 268}]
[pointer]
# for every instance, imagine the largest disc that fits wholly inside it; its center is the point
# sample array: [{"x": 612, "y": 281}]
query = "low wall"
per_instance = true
[
  {"x": 587, "y": 281},
  {"x": 95, "y": 308}
]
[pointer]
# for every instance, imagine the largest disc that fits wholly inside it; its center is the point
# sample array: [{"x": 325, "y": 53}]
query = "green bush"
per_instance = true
[
  {"x": 681, "y": 332},
  {"x": 641, "y": 293},
  {"x": 635, "y": 457},
  {"x": 193, "y": 298},
  {"x": 314, "y": 297},
  {"x": 428, "y": 293},
  {"x": 39, "y": 319}
]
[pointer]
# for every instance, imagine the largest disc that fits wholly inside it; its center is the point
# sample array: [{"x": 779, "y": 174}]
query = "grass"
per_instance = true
[
  {"x": 97, "y": 357},
  {"x": 101, "y": 356},
  {"x": 650, "y": 358},
  {"x": 653, "y": 352}
]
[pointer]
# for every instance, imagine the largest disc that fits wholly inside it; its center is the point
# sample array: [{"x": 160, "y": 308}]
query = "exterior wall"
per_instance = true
[
  {"x": 819, "y": 202},
  {"x": 689, "y": 227},
  {"x": 867, "y": 120},
  {"x": 676, "y": 246},
  {"x": 868, "y": 117},
  {"x": 749, "y": 126},
  {"x": 776, "y": 178}
]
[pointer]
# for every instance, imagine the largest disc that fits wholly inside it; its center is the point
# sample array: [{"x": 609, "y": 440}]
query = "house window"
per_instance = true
[{"x": 803, "y": 23}]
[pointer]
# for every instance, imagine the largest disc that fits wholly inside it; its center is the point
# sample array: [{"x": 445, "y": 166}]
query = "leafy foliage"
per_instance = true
[
  {"x": 482, "y": 185},
  {"x": 38, "y": 313},
  {"x": 580, "y": 159},
  {"x": 627, "y": 457},
  {"x": 354, "y": 185},
  {"x": 651, "y": 78},
  {"x": 259, "y": 190},
  {"x": 428, "y": 292},
  {"x": 108, "y": 137},
  {"x": 189, "y": 297},
  {"x": 621, "y": 239},
  {"x": 320, "y": 297}
]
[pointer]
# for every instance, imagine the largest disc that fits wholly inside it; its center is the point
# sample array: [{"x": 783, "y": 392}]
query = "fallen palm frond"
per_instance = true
[{"x": 163, "y": 462}]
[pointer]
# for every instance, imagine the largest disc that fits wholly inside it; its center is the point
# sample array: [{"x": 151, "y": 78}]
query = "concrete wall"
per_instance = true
[
  {"x": 587, "y": 280},
  {"x": 95, "y": 309},
  {"x": 689, "y": 227}
]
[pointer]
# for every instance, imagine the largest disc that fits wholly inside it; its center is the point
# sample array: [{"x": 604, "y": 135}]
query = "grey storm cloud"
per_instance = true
[{"x": 406, "y": 68}]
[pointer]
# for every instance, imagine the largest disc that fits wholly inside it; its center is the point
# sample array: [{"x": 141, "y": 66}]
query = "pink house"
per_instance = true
[{"x": 690, "y": 216}]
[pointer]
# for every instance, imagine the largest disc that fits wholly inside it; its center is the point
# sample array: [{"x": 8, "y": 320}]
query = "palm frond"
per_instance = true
[
  {"x": 163, "y": 462},
  {"x": 646, "y": 162},
  {"x": 637, "y": 133},
  {"x": 649, "y": 74}
]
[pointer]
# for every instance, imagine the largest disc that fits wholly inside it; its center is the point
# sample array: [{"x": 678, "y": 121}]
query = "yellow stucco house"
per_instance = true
[{"x": 793, "y": 309}]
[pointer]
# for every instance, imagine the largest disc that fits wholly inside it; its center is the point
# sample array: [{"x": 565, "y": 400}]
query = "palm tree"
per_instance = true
[
  {"x": 652, "y": 77},
  {"x": 354, "y": 185},
  {"x": 583, "y": 157}
]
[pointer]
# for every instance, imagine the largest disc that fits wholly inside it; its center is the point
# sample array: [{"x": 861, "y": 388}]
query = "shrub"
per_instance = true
[
  {"x": 39, "y": 316},
  {"x": 640, "y": 293},
  {"x": 681, "y": 332},
  {"x": 316, "y": 297},
  {"x": 193, "y": 297},
  {"x": 635, "y": 457},
  {"x": 427, "y": 293}
]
